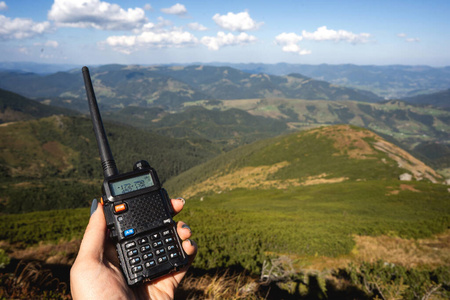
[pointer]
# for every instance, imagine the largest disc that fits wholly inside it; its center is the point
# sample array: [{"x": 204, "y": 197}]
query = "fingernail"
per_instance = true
[
  {"x": 186, "y": 226},
  {"x": 94, "y": 206},
  {"x": 182, "y": 200}
]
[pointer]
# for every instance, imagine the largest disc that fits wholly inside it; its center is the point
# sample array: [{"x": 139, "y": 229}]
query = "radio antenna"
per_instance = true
[{"x": 108, "y": 163}]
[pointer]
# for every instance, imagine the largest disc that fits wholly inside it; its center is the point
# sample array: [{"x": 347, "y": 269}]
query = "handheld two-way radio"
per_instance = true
[{"x": 137, "y": 210}]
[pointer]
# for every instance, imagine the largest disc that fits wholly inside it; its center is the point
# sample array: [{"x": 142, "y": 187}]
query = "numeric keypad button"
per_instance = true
[
  {"x": 136, "y": 269},
  {"x": 162, "y": 259},
  {"x": 150, "y": 264},
  {"x": 132, "y": 252},
  {"x": 145, "y": 248},
  {"x": 147, "y": 256},
  {"x": 157, "y": 244}
]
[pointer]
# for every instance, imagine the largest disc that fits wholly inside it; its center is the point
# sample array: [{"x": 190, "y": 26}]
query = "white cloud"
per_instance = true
[
  {"x": 324, "y": 34},
  {"x": 20, "y": 28},
  {"x": 95, "y": 14},
  {"x": 289, "y": 43},
  {"x": 177, "y": 9},
  {"x": 3, "y": 5},
  {"x": 148, "y": 7},
  {"x": 412, "y": 40},
  {"x": 407, "y": 39},
  {"x": 222, "y": 39},
  {"x": 236, "y": 22},
  {"x": 150, "y": 39},
  {"x": 196, "y": 26},
  {"x": 288, "y": 38}
]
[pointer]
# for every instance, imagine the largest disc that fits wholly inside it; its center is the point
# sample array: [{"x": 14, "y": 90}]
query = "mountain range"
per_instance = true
[
  {"x": 390, "y": 81},
  {"x": 387, "y": 81},
  {"x": 119, "y": 86},
  {"x": 230, "y": 123}
]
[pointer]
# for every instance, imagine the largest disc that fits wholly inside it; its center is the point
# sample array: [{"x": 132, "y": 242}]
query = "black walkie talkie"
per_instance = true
[{"x": 138, "y": 211}]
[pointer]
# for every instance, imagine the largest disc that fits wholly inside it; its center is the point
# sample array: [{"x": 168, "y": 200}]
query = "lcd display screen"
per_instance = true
[{"x": 131, "y": 184}]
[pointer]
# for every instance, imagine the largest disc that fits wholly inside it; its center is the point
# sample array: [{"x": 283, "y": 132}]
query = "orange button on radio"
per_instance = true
[{"x": 120, "y": 207}]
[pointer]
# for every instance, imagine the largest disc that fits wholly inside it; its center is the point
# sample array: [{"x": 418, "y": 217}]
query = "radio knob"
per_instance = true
[{"x": 142, "y": 164}]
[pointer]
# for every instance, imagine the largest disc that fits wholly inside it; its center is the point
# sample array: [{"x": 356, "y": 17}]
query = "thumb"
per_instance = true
[{"x": 92, "y": 245}]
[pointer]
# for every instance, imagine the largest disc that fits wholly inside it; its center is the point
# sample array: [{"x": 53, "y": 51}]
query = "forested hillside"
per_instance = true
[
  {"x": 56, "y": 159},
  {"x": 14, "y": 107}
]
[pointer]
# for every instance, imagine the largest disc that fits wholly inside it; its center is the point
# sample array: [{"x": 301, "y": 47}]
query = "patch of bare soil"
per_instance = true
[
  {"x": 248, "y": 177},
  {"x": 364, "y": 144},
  {"x": 63, "y": 253},
  {"x": 406, "y": 161},
  {"x": 403, "y": 187},
  {"x": 432, "y": 252},
  {"x": 320, "y": 179},
  {"x": 349, "y": 141},
  {"x": 255, "y": 177}
]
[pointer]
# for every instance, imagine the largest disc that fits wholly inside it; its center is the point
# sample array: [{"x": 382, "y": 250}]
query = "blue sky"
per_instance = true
[{"x": 155, "y": 32}]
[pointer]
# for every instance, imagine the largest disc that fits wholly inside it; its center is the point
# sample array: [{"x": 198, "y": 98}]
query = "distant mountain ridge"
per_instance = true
[
  {"x": 439, "y": 99},
  {"x": 389, "y": 81},
  {"x": 118, "y": 86},
  {"x": 38, "y": 68}
]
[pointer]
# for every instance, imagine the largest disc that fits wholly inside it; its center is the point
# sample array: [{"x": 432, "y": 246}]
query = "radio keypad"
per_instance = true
[{"x": 144, "y": 249}]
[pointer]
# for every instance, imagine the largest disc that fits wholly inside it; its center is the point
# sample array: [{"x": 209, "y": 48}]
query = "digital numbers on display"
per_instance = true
[{"x": 131, "y": 184}]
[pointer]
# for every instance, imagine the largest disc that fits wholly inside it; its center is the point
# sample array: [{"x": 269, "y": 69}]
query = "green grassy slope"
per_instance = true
[
  {"x": 338, "y": 152},
  {"x": 245, "y": 226},
  {"x": 307, "y": 194}
]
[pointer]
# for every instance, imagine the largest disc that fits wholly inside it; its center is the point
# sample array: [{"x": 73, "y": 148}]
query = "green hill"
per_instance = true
[
  {"x": 53, "y": 162},
  {"x": 308, "y": 194},
  {"x": 328, "y": 154},
  {"x": 14, "y": 107}
]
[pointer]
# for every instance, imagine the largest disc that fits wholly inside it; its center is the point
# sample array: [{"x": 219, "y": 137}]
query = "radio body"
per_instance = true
[{"x": 138, "y": 212}]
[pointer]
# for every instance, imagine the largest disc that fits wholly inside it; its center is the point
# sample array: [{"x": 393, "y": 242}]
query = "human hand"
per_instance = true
[{"x": 96, "y": 273}]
